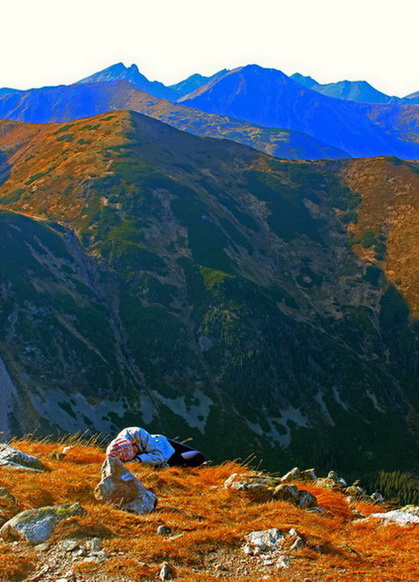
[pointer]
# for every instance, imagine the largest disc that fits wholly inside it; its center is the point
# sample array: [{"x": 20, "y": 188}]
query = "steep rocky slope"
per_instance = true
[{"x": 197, "y": 286}]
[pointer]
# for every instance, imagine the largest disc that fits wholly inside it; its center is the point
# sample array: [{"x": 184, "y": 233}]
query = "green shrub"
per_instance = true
[
  {"x": 368, "y": 239},
  {"x": 65, "y": 137}
]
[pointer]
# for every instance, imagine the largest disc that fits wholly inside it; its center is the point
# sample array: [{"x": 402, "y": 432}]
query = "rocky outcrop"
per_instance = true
[
  {"x": 37, "y": 525},
  {"x": 260, "y": 487},
  {"x": 408, "y": 515},
  {"x": 121, "y": 488}
]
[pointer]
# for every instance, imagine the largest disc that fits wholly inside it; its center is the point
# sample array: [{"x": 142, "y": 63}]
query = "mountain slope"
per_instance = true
[
  {"x": 268, "y": 97},
  {"x": 214, "y": 292}
]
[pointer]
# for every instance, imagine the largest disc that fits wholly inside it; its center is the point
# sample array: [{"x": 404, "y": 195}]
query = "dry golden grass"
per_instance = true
[{"x": 208, "y": 524}]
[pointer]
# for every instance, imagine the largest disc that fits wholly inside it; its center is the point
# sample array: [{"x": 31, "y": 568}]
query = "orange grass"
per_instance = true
[
  {"x": 208, "y": 524},
  {"x": 15, "y": 565}
]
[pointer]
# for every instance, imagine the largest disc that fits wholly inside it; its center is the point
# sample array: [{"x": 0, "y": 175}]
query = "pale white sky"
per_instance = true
[{"x": 49, "y": 42}]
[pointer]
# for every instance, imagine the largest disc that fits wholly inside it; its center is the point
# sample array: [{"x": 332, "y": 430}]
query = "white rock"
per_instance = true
[
  {"x": 406, "y": 516},
  {"x": 121, "y": 488},
  {"x": 264, "y": 539}
]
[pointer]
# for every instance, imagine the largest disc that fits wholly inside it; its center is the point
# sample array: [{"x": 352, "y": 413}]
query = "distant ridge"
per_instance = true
[{"x": 353, "y": 91}]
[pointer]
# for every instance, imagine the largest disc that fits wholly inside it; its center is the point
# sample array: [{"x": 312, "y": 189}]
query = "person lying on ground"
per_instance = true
[{"x": 136, "y": 444}]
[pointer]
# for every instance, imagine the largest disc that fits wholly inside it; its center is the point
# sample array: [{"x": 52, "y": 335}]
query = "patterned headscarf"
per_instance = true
[{"x": 123, "y": 449}]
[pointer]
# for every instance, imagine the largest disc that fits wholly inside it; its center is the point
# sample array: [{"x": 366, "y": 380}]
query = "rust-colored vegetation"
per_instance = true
[
  {"x": 207, "y": 522},
  {"x": 387, "y": 229}
]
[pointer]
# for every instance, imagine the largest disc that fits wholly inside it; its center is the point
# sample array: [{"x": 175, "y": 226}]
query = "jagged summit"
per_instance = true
[{"x": 131, "y": 74}]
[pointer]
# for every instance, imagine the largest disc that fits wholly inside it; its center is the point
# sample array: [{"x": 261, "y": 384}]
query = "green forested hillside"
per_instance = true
[{"x": 200, "y": 288}]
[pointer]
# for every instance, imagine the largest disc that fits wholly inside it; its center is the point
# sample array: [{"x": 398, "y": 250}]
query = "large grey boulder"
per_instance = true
[
  {"x": 10, "y": 457},
  {"x": 121, "y": 488},
  {"x": 37, "y": 525}
]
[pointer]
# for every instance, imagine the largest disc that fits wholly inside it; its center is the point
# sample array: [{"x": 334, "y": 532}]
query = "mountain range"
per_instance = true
[
  {"x": 199, "y": 287},
  {"x": 259, "y": 107}
]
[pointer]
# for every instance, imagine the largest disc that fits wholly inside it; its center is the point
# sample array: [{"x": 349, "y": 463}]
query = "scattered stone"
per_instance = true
[
  {"x": 94, "y": 545},
  {"x": 10, "y": 457},
  {"x": 39, "y": 575},
  {"x": 326, "y": 483},
  {"x": 121, "y": 488},
  {"x": 174, "y": 537},
  {"x": 164, "y": 530},
  {"x": 377, "y": 497},
  {"x": 91, "y": 559},
  {"x": 263, "y": 540},
  {"x": 354, "y": 491},
  {"x": 44, "y": 547},
  {"x": 286, "y": 493},
  {"x": 283, "y": 562},
  {"x": 57, "y": 456},
  {"x": 306, "y": 499},
  {"x": 298, "y": 543},
  {"x": 70, "y": 545},
  {"x": 408, "y": 515},
  {"x": 166, "y": 571},
  {"x": 37, "y": 525},
  {"x": 100, "y": 555},
  {"x": 338, "y": 480},
  {"x": 297, "y": 475},
  {"x": 309, "y": 475},
  {"x": 256, "y": 486},
  {"x": 293, "y": 475},
  {"x": 81, "y": 553},
  {"x": 316, "y": 509}
]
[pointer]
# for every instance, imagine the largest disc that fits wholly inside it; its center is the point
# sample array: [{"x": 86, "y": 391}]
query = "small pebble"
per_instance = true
[{"x": 165, "y": 571}]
